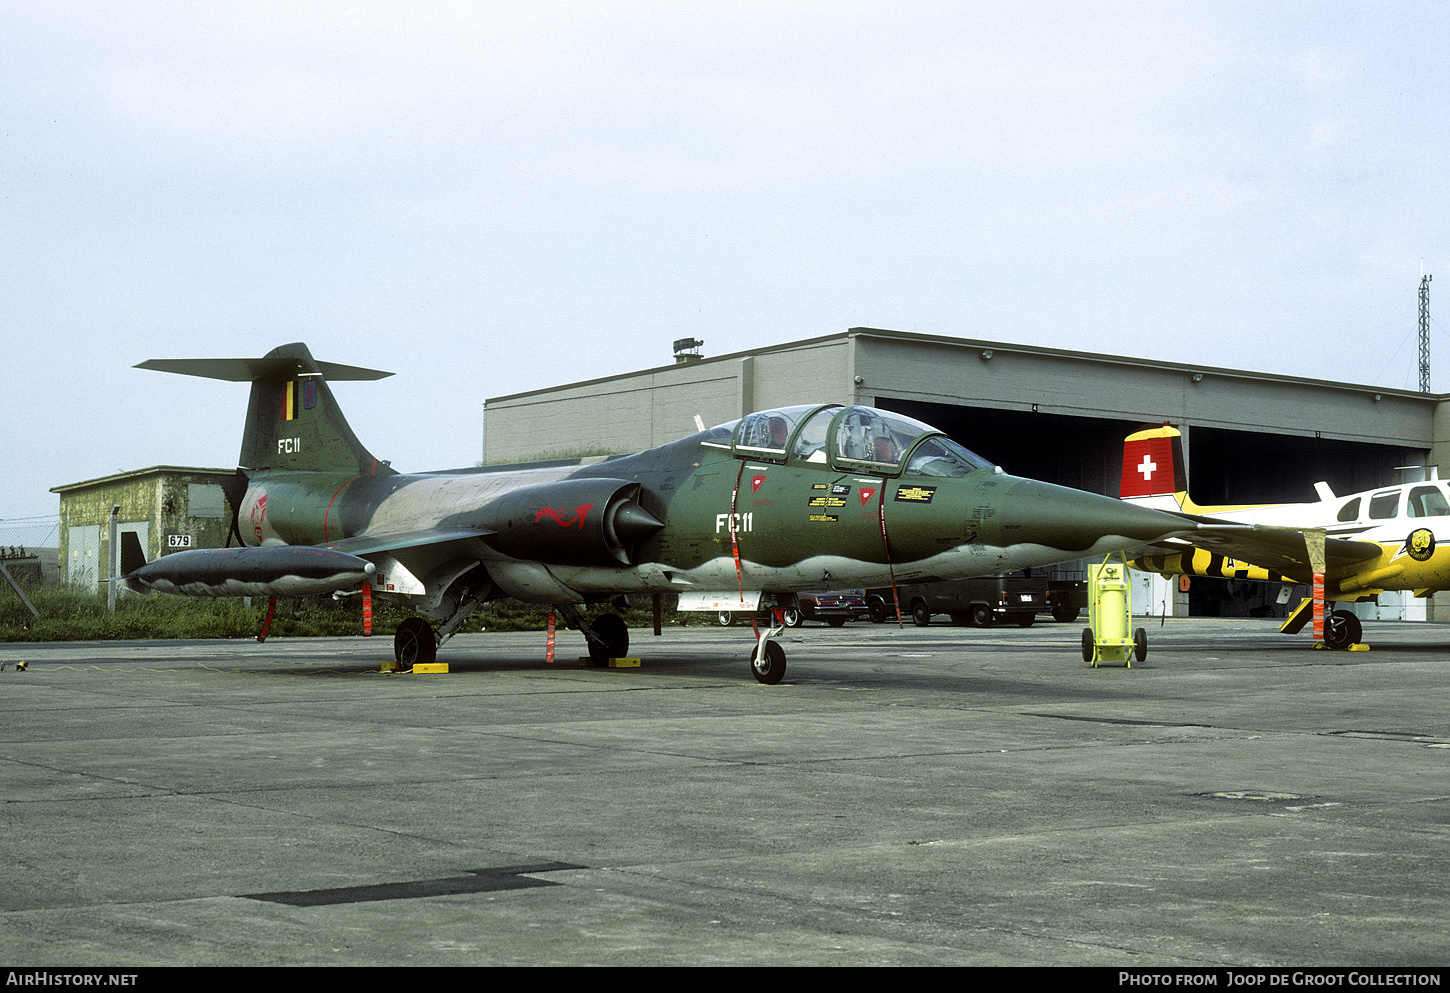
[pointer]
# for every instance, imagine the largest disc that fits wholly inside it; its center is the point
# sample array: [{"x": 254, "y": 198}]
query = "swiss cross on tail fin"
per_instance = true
[{"x": 1152, "y": 463}]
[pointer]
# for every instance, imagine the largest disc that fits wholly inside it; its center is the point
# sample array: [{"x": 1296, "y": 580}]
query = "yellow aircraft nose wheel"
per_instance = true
[{"x": 1110, "y": 615}]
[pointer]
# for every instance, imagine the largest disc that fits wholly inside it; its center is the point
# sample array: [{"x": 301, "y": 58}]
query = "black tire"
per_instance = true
[
  {"x": 726, "y": 618},
  {"x": 1064, "y": 613},
  {"x": 792, "y": 618},
  {"x": 414, "y": 643},
  {"x": 768, "y": 667},
  {"x": 836, "y": 622},
  {"x": 612, "y": 630},
  {"x": 1087, "y": 644},
  {"x": 980, "y": 616},
  {"x": 1342, "y": 629},
  {"x": 1022, "y": 620},
  {"x": 876, "y": 609},
  {"x": 1140, "y": 645},
  {"x": 920, "y": 616}
]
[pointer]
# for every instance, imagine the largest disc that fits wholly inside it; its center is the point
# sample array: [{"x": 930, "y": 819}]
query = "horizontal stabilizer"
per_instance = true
[
  {"x": 247, "y": 370},
  {"x": 293, "y": 421}
]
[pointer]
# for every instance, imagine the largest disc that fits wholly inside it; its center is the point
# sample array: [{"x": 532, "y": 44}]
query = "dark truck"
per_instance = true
[{"x": 978, "y": 602}]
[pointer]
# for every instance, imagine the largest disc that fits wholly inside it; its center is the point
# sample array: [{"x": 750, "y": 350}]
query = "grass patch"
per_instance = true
[{"x": 69, "y": 615}]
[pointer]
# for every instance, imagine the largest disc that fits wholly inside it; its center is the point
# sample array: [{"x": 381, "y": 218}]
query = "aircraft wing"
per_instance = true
[
  {"x": 1277, "y": 549},
  {"x": 374, "y": 544}
]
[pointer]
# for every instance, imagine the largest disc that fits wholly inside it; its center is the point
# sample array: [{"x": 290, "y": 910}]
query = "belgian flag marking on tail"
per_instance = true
[{"x": 289, "y": 400}]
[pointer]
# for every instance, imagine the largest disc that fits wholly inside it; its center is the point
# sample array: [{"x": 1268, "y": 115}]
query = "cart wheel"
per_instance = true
[
  {"x": 1140, "y": 644},
  {"x": 1087, "y": 644}
]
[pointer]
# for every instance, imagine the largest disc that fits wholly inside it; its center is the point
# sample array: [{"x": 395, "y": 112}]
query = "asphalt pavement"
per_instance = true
[{"x": 906, "y": 796}]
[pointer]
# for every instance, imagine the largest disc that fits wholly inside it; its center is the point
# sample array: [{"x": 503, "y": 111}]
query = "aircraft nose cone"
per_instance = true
[{"x": 1041, "y": 519}]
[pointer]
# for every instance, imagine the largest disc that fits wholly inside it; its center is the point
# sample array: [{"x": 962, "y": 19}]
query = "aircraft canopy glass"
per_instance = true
[
  {"x": 768, "y": 432},
  {"x": 943, "y": 457},
  {"x": 863, "y": 439},
  {"x": 880, "y": 441}
]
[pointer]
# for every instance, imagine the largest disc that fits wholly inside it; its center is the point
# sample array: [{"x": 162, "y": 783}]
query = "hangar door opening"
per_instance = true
[
  {"x": 1224, "y": 466},
  {"x": 1085, "y": 453}
]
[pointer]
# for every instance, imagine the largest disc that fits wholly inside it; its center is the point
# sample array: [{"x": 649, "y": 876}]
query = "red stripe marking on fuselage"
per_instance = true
[{"x": 328, "y": 512}]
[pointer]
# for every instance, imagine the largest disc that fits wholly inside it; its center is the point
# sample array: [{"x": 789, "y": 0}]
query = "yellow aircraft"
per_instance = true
[{"x": 1389, "y": 538}]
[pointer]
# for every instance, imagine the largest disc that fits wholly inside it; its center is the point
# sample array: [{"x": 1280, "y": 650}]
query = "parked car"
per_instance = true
[
  {"x": 834, "y": 608},
  {"x": 978, "y": 602}
]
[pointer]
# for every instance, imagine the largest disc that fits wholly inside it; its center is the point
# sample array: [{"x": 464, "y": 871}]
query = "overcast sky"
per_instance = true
[{"x": 491, "y": 197}]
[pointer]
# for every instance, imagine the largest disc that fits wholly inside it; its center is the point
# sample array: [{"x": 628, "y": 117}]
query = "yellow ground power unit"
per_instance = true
[{"x": 1110, "y": 616}]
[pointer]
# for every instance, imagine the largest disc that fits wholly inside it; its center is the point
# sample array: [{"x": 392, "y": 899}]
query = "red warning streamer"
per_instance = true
[
  {"x": 886, "y": 546},
  {"x": 267, "y": 621},
  {"x": 1319, "y": 606},
  {"x": 734, "y": 537}
]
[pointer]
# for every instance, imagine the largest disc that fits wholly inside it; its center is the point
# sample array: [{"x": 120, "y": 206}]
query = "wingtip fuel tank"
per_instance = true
[{"x": 271, "y": 570}]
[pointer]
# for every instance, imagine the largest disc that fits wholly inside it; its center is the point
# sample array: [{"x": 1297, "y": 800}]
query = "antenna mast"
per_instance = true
[{"x": 1425, "y": 334}]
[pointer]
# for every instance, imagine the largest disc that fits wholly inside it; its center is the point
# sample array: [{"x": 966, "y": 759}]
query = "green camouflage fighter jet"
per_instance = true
[{"x": 803, "y": 498}]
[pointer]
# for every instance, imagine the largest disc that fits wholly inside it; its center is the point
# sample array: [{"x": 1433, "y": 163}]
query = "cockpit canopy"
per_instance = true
[{"x": 855, "y": 439}]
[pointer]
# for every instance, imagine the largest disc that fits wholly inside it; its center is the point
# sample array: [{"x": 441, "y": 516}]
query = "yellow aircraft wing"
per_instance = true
[{"x": 1240, "y": 547}]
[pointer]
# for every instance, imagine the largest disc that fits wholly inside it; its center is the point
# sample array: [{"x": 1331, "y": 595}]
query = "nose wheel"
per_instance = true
[
  {"x": 767, "y": 658},
  {"x": 767, "y": 662}
]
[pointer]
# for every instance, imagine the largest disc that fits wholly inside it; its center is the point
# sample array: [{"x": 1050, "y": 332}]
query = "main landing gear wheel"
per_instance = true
[
  {"x": 1342, "y": 629},
  {"x": 611, "y": 630},
  {"x": 414, "y": 643},
  {"x": 768, "y": 666}
]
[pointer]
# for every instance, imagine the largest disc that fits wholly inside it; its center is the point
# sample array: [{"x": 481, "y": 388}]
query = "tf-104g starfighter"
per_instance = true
[{"x": 801, "y": 498}]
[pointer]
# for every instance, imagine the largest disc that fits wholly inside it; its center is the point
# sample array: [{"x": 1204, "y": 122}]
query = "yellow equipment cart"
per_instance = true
[{"x": 1110, "y": 616}]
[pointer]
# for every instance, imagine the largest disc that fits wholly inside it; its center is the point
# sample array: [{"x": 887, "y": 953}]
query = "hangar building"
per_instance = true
[{"x": 1051, "y": 414}]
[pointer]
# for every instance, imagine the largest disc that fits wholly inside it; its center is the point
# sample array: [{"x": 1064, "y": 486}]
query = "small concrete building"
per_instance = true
[{"x": 168, "y": 507}]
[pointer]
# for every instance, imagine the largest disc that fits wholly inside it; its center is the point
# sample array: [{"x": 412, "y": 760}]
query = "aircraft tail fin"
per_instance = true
[
  {"x": 1153, "y": 468},
  {"x": 133, "y": 557},
  {"x": 293, "y": 422}
]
